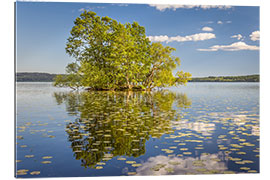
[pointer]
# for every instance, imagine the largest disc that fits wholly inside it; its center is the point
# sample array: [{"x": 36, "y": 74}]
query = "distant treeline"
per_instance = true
[
  {"x": 46, "y": 77},
  {"x": 35, "y": 77},
  {"x": 248, "y": 78}
]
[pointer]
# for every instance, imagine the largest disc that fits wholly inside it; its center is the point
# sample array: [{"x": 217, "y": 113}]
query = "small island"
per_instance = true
[{"x": 114, "y": 56}]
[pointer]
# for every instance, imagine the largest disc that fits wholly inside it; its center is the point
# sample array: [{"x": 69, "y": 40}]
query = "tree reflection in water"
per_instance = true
[{"x": 110, "y": 124}]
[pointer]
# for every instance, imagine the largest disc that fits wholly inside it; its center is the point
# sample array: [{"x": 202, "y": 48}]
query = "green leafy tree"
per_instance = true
[
  {"x": 72, "y": 79},
  {"x": 114, "y": 56}
]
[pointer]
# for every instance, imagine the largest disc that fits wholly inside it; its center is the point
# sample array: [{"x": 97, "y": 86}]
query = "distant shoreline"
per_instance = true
[{"x": 47, "y": 77}]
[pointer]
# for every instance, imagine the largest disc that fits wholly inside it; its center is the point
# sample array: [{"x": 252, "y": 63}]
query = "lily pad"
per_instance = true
[
  {"x": 158, "y": 167},
  {"x": 19, "y": 137},
  {"x": 229, "y": 172},
  {"x": 130, "y": 162},
  {"x": 248, "y": 161},
  {"x": 46, "y": 162},
  {"x": 35, "y": 172},
  {"x": 199, "y": 147},
  {"x": 29, "y": 156},
  {"x": 201, "y": 170},
  {"x": 169, "y": 151},
  {"x": 108, "y": 155},
  {"x": 252, "y": 171},
  {"x": 174, "y": 163},
  {"x": 169, "y": 170},
  {"x": 181, "y": 144},
  {"x": 131, "y": 173},
  {"x": 241, "y": 153},
  {"x": 78, "y": 151},
  {"x": 235, "y": 159},
  {"x": 22, "y": 172},
  {"x": 101, "y": 163},
  {"x": 244, "y": 168},
  {"x": 239, "y": 162},
  {"x": 47, "y": 157},
  {"x": 198, "y": 163},
  {"x": 136, "y": 165},
  {"x": 99, "y": 167},
  {"x": 183, "y": 149}
]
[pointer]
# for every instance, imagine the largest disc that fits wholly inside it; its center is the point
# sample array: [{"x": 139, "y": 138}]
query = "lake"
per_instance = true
[{"x": 201, "y": 128}]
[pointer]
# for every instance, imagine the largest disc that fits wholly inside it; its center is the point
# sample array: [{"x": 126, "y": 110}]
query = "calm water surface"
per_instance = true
[{"x": 201, "y": 128}]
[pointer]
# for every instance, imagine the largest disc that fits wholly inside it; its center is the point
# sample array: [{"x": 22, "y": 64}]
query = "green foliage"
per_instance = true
[
  {"x": 114, "y": 56},
  {"x": 72, "y": 79},
  {"x": 46, "y": 77}
]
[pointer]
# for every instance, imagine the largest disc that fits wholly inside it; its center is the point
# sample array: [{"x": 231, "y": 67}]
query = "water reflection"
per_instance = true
[
  {"x": 204, "y": 164},
  {"x": 113, "y": 124},
  {"x": 204, "y": 128}
]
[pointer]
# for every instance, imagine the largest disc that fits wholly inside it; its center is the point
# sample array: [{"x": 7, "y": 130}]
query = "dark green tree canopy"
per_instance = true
[{"x": 114, "y": 56}]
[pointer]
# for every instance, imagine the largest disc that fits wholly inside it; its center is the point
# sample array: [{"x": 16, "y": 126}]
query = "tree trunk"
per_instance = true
[{"x": 128, "y": 84}]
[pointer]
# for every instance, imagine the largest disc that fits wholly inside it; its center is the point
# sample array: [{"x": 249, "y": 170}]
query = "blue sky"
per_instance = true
[{"x": 209, "y": 40}]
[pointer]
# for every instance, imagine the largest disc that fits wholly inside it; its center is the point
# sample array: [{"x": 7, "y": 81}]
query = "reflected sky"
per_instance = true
[
  {"x": 163, "y": 165},
  {"x": 200, "y": 128}
]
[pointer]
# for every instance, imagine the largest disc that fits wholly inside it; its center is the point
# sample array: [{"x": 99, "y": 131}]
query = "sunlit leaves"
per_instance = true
[{"x": 114, "y": 56}]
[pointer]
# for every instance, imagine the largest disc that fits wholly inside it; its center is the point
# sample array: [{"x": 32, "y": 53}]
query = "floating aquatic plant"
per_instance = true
[
  {"x": 47, "y": 157},
  {"x": 46, "y": 162},
  {"x": 22, "y": 172},
  {"x": 29, "y": 156},
  {"x": 35, "y": 172}
]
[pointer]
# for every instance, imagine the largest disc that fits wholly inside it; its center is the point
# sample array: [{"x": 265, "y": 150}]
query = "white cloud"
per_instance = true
[
  {"x": 163, "y": 7},
  {"x": 255, "y": 36},
  {"x": 160, "y": 38},
  {"x": 193, "y": 37},
  {"x": 88, "y": 8},
  {"x": 238, "y": 36},
  {"x": 238, "y": 46},
  {"x": 220, "y": 22},
  {"x": 207, "y": 28},
  {"x": 224, "y": 22}
]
